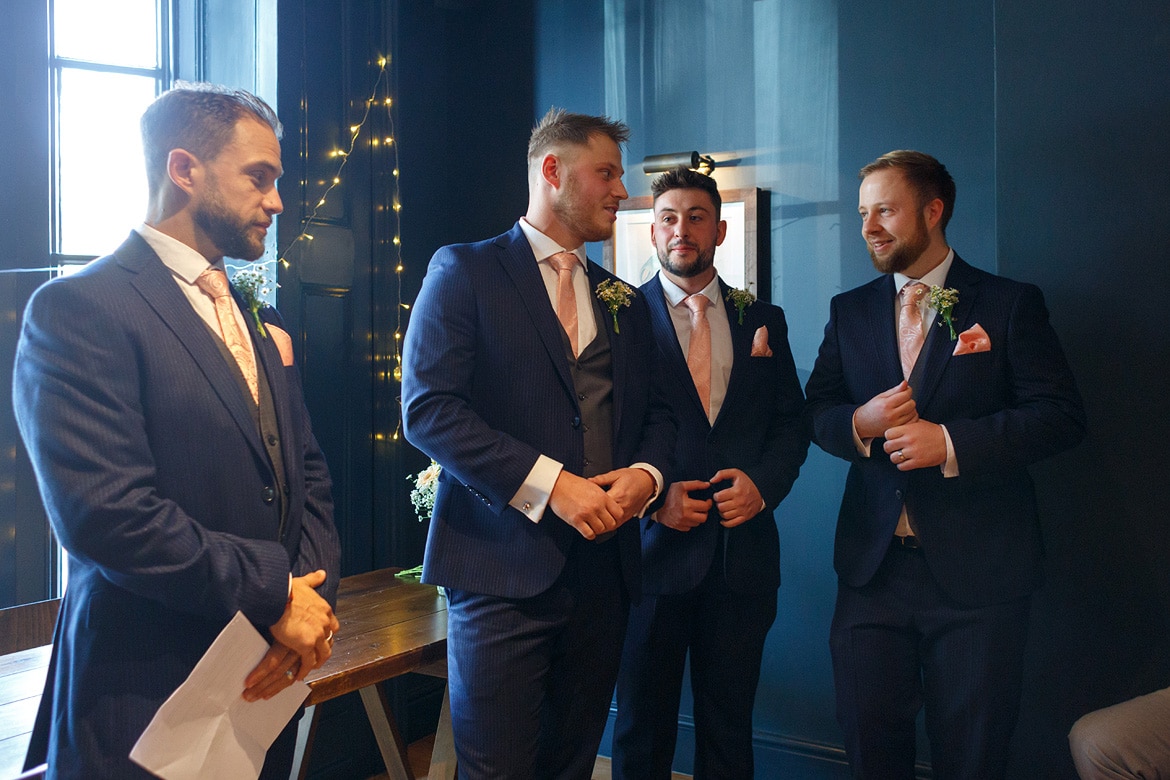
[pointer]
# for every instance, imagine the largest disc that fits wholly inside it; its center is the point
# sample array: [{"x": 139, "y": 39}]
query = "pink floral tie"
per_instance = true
[
  {"x": 910, "y": 330},
  {"x": 564, "y": 262},
  {"x": 214, "y": 284},
  {"x": 699, "y": 351}
]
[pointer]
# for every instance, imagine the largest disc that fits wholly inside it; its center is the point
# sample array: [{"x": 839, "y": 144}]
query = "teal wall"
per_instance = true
[{"x": 1053, "y": 119}]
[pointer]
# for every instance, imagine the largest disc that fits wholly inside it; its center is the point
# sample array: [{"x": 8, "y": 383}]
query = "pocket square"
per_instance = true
[
  {"x": 973, "y": 339},
  {"x": 760, "y": 346},
  {"x": 283, "y": 343}
]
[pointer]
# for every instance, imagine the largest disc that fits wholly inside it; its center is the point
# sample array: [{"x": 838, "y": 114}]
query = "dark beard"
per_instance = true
[
  {"x": 226, "y": 231},
  {"x": 702, "y": 264}
]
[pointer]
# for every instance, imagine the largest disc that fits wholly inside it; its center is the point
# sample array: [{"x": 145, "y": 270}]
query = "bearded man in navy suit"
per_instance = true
[
  {"x": 533, "y": 390},
  {"x": 938, "y": 542},
  {"x": 184, "y": 487},
  {"x": 711, "y": 553}
]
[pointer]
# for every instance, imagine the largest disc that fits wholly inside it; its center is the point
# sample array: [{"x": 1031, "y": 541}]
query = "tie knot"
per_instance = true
[
  {"x": 213, "y": 282},
  {"x": 563, "y": 261},
  {"x": 913, "y": 293},
  {"x": 697, "y": 303}
]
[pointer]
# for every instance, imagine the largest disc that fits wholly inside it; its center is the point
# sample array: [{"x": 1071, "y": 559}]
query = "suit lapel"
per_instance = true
[
  {"x": 520, "y": 264},
  {"x": 667, "y": 338},
  {"x": 883, "y": 339},
  {"x": 741, "y": 344},
  {"x": 938, "y": 348},
  {"x": 155, "y": 284}
]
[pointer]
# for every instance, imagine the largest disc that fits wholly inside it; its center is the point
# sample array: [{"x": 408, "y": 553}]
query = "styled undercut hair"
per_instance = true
[
  {"x": 929, "y": 178},
  {"x": 560, "y": 127},
  {"x": 198, "y": 117},
  {"x": 682, "y": 178}
]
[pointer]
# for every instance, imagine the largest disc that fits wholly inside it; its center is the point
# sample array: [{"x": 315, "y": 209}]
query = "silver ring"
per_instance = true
[{"x": 289, "y": 673}]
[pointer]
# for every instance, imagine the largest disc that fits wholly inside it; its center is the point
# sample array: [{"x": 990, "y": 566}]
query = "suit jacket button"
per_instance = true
[
  {"x": 576, "y": 423},
  {"x": 269, "y": 495},
  {"x": 898, "y": 493},
  {"x": 271, "y": 440}
]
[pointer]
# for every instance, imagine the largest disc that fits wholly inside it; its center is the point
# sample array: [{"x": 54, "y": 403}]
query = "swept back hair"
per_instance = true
[
  {"x": 682, "y": 178},
  {"x": 560, "y": 127},
  {"x": 929, "y": 178}
]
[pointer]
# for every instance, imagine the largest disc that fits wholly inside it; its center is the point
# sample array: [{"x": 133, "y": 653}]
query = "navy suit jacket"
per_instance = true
[
  {"x": 1005, "y": 409},
  {"x": 486, "y": 389},
  {"x": 157, "y": 484},
  {"x": 759, "y": 430}
]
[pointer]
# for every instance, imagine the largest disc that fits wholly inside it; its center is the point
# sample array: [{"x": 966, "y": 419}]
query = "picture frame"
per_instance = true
[{"x": 743, "y": 260}]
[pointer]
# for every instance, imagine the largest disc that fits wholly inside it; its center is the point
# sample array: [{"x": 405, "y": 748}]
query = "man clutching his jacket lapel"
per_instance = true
[
  {"x": 940, "y": 384},
  {"x": 173, "y": 449},
  {"x": 533, "y": 389}
]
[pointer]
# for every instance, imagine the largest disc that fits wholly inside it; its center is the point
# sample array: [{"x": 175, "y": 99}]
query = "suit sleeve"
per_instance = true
[
  {"x": 440, "y": 356},
  {"x": 1042, "y": 413},
  {"x": 80, "y": 410},
  {"x": 786, "y": 442}
]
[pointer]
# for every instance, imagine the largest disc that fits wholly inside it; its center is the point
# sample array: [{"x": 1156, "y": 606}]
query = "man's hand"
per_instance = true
[
  {"x": 631, "y": 488},
  {"x": 884, "y": 411},
  {"x": 584, "y": 505},
  {"x": 681, "y": 512},
  {"x": 919, "y": 445},
  {"x": 303, "y": 638},
  {"x": 738, "y": 503}
]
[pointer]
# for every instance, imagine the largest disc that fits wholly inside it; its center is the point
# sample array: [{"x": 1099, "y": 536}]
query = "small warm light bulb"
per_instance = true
[
  {"x": 397, "y": 241},
  {"x": 337, "y": 180},
  {"x": 395, "y": 171},
  {"x": 399, "y": 268}
]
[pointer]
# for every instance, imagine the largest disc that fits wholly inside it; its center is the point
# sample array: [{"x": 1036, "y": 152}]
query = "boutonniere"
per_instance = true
[
  {"x": 615, "y": 294},
  {"x": 253, "y": 286},
  {"x": 943, "y": 300},
  {"x": 740, "y": 299}
]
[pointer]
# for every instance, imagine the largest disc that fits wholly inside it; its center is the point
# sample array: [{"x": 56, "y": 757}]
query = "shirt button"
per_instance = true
[{"x": 580, "y": 396}]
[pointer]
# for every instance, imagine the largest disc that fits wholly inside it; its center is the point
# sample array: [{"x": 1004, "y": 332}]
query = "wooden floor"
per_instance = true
[{"x": 419, "y": 755}]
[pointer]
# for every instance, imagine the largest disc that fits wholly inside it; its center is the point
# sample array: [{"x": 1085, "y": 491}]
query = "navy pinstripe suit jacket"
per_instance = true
[
  {"x": 1005, "y": 409},
  {"x": 156, "y": 482},
  {"x": 486, "y": 389}
]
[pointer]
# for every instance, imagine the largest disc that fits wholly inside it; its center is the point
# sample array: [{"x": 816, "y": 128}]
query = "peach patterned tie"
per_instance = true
[
  {"x": 699, "y": 351},
  {"x": 910, "y": 332},
  {"x": 564, "y": 262},
  {"x": 213, "y": 282}
]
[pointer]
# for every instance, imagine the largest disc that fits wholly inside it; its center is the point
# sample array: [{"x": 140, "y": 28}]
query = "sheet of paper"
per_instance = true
[{"x": 206, "y": 729}]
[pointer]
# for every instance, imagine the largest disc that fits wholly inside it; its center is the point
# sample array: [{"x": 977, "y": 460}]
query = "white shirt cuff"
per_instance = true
[
  {"x": 951, "y": 467},
  {"x": 863, "y": 445},
  {"x": 657, "y": 475},
  {"x": 532, "y": 497}
]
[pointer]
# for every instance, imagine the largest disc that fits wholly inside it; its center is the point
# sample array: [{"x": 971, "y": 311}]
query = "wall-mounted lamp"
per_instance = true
[{"x": 659, "y": 163}]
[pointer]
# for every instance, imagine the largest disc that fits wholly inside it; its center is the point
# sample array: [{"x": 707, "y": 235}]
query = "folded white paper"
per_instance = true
[{"x": 206, "y": 728}]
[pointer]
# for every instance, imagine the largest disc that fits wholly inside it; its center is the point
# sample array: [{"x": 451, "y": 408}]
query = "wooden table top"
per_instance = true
[{"x": 389, "y": 626}]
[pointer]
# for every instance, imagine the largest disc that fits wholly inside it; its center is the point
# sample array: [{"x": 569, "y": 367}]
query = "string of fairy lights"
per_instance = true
[{"x": 378, "y": 97}]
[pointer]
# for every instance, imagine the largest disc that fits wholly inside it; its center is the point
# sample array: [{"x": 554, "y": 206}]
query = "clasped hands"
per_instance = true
[
  {"x": 911, "y": 442},
  {"x": 302, "y": 640},
  {"x": 736, "y": 504},
  {"x": 601, "y": 503}
]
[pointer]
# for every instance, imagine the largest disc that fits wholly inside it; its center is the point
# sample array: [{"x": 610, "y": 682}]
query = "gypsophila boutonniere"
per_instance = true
[
  {"x": 740, "y": 299},
  {"x": 615, "y": 294},
  {"x": 253, "y": 285},
  {"x": 943, "y": 300},
  {"x": 422, "y": 495}
]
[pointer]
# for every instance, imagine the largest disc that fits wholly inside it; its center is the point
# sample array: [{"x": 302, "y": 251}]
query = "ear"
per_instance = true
[
  {"x": 550, "y": 170},
  {"x": 932, "y": 212},
  {"x": 721, "y": 233},
  {"x": 652, "y": 239},
  {"x": 183, "y": 169}
]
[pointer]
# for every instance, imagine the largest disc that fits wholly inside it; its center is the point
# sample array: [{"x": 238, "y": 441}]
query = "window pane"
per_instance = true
[
  {"x": 114, "y": 32},
  {"x": 102, "y": 176}
]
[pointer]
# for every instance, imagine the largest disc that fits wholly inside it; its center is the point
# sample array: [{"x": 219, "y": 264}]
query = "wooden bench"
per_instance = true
[{"x": 389, "y": 627}]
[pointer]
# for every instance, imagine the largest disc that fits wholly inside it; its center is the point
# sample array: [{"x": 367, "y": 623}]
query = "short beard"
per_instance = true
[
  {"x": 904, "y": 256},
  {"x": 227, "y": 232},
  {"x": 570, "y": 211},
  {"x": 702, "y": 264}
]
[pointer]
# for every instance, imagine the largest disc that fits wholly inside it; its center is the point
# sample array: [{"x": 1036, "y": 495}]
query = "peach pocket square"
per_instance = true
[
  {"x": 283, "y": 343},
  {"x": 760, "y": 346},
  {"x": 973, "y": 339}
]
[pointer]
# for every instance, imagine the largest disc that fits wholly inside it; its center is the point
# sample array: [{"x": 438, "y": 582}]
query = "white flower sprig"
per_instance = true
[
  {"x": 615, "y": 294},
  {"x": 253, "y": 285},
  {"x": 943, "y": 301},
  {"x": 740, "y": 299}
]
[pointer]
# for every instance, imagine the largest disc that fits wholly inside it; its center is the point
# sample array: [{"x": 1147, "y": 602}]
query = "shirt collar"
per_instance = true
[
  {"x": 936, "y": 277},
  {"x": 676, "y": 295},
  {"x": 544, "y": 247},
  {"x": 183, "y": 261}
]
